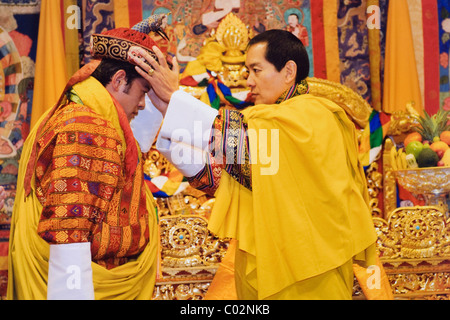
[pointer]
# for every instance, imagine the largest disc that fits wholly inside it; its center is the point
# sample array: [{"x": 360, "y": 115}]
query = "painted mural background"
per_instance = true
[{"x": 19, "y": 22}]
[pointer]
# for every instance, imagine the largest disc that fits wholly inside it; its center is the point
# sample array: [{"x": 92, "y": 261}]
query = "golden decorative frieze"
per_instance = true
[
  {"x": 413, "y": 245},
  {"x": 389, "y": 181},
  {"x": 374, "y": 187},
  {"x": 182, "y": 291},
  {"x": 155, "y": 164},
  {"x": 186, "y": 242},
  {"x": 413, "y": 233}
]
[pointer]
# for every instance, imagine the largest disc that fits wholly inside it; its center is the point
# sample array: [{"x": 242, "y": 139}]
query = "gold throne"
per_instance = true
[{"x": 412, "y": 241}]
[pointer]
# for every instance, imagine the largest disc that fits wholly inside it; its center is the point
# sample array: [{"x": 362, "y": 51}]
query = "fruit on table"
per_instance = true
[
  {"x": 445, "y": 136},
  {"x": 440, "y": 153},
  {"x": 446, "y": 158},
  {"x": 427, "y": 158},
  {"x": 432, "y": 126},
  {"x": 414, "y": 148},
  {"x": 413, "y": 136},
  {"x": 439, "y": 145}
]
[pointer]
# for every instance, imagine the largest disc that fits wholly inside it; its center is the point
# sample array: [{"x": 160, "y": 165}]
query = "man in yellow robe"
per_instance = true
[
  {"x": 84, "y": 224},
  {"x": 285, "y": 173}
]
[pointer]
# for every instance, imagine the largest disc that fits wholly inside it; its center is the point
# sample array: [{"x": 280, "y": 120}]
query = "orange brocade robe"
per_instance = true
[{"x": 85, "y": 195}]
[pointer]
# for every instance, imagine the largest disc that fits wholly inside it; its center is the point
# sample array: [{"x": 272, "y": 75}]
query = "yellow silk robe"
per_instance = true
[
  {"x": 29, "y": 253},
  {"x": 300, "y": 229}
]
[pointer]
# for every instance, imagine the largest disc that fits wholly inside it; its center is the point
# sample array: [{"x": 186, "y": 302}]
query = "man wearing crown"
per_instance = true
[{"x": 84, "y": 224}]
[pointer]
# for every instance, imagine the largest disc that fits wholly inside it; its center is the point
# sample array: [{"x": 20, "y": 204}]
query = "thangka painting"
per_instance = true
[
  {"x": 19, "y": 22},
  {"x": 334, "y": 33},
  {"x": 191, "y": 21}
]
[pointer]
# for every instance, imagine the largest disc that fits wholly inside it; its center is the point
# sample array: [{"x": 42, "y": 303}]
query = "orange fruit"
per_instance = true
[
  {"x": 413, "y": 136},
  {"x": 439, "y": 145},
  {"x": 445, "y": 136}
]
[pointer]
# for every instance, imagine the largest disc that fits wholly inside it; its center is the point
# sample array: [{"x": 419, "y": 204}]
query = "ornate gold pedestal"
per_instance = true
[{"x": 189, "y": 253}]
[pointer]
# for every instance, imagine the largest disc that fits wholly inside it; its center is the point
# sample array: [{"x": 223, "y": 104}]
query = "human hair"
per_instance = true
[
  {"x": 108, "y": 67},
  {"x": 296, "y": 15},
  {"x": 282, "y": 46}
]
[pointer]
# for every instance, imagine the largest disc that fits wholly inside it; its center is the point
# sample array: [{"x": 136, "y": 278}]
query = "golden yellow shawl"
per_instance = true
[
  {"x": 312, "y": 215},
  {"x": 28, "y": 253}
]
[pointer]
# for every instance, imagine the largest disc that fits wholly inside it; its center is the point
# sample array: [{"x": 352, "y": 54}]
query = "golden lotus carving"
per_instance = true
[{"x": 233, "y": 35}]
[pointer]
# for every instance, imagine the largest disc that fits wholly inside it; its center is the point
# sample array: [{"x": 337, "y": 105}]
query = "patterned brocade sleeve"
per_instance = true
[
  {"x": 229, "y": 150},
  {"x": 77, "y": 174}
]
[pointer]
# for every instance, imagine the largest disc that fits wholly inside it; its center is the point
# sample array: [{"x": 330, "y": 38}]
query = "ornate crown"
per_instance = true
[
  {"x": 114, "y": 47},
  {"x": 116, "y": 43}
]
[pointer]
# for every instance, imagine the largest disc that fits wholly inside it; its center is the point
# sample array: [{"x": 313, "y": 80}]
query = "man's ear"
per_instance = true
[
  {"x": 118, "y": 79},
  {"x": 291, "y": 71}
]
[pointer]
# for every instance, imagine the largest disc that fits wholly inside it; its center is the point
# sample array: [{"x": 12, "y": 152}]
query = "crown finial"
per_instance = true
[{"x": 156, "y": 23}]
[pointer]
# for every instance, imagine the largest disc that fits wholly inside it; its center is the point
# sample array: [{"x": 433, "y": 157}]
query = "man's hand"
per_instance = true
[
  {"x": 163, "y": 80},
  {"x": 157, "y": 102}
]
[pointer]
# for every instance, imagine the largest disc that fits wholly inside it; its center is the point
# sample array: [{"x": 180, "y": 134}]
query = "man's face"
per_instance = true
[
  {"x": 132, "y": 97},
  {"x": 265, "y": 82}
]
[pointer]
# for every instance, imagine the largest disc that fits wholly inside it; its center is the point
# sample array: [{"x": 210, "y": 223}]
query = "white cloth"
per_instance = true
[
  {"x": 186, "y": 132},
  {"x": 146, "y": 124},
  {"x": 70, "y": 272}
]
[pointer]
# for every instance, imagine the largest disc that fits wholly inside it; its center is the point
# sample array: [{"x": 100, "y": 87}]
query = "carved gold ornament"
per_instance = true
[
  {"x": 413, "y": 245},
  {"x": 186, "y": 242},
  {"x": 233, "y": 35},
  {"x": 413, "y": 233}
]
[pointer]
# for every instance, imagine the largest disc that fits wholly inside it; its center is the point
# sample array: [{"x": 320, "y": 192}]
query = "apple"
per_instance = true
[
  {"x": 414, "y": 148},
  {"x": 440, "y": 163}
]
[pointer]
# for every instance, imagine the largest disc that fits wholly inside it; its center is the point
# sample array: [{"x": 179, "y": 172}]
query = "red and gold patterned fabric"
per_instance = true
[
  {"x": 229, "y": 151},
  {"x": 81, "y": 183},
  {"x": 119, "y": 225}
]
